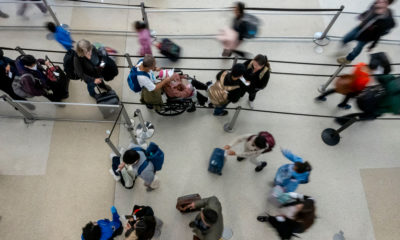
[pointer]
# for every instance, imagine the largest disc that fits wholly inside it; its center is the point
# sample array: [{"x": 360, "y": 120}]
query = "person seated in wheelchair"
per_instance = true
[{"x": 182, "y": 86}]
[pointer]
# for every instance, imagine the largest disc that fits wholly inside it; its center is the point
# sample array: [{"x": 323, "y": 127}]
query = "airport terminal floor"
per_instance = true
[{"x": 54, "y": 172}]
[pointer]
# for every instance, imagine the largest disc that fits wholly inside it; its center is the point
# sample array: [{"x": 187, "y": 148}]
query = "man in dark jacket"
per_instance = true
[
  {"x": 208, "y": 224},
  {"x": 375, "y": 22},
  {"x": 257, "y": 73},
  {"x": 7, "y": 74}
]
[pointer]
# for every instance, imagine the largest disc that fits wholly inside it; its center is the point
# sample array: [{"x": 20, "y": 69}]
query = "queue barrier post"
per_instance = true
[
  {"x": 320, "y": 38},
  {"x": 128, "y": 59},
  {"x": 144, "y": 15},
  {"x": 331, "y": 136},
  {"x": 53, "y": 15},
  {"x": 229, "y": 126},
  {"x": 28, "y": 117},
  {"x": 145, "y": 129},
  {"x": 129, "y": 124},
  {"x": 323, "y": 87}
]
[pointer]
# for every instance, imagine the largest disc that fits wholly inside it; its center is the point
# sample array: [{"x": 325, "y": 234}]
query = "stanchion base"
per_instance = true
[
  {"x": 142, "y": 134},
  {"x": 321, "y": 42},
  {"x": 227, "y": 128},
  {"x": 330, "y": 137},
  {"x": 321, "y": 89}
]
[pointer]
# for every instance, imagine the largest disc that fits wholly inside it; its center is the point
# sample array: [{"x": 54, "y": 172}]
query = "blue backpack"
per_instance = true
[
  {"x": 132, "y": 78},
  {"x": 154, "y": 155}
]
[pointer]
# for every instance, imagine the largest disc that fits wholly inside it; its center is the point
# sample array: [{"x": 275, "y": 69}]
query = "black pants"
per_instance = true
[
  {"x": 252, "y": 93},
  {"x": 200, "y": 86},
  {"x": 346, "y": 98},
  {"x": 361, "y": 116}
]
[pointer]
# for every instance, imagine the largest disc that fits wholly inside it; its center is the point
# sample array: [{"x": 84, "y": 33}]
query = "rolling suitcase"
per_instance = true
[
  {"x": 59, "y": 82},
  {"x": 107, "y": 98},
  {"x": 183, "y": 201},
  {"x": 169, "y": 49},
  {"x": 217, "y": 161}
]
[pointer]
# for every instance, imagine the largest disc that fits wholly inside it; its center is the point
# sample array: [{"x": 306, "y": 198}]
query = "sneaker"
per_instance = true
[
  {"x": 262, "y": 218},
  {"x": 224, "y": 113},
  {"x": 192, "y": 108},
  {"x": 210, "y": 105},
  {"x": 320, "y": 99},
  {"x": 240, "y": 159},
  {"x": 209, "y": 83},
  {"x": 149, "y": 189},
  {"x": 4, "y": 15},
  {"x": 343, "y": 60},
  {"x": 251, "y": 104},
  {"x": 261, "y": 167},
  {"x": 149, "y": 106},
  {"x": 344, "y": 106},
  {"x": 226, "y": 53}
]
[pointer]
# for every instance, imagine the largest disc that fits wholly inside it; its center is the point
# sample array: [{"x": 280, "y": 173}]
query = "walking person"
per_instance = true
[
  {"x": 349, "y": 85},
  {"x": 257, "y": 73},
  {"x": 376, "y": 22},
  {"x": 3, "y": 14},
  {"x": 229, "y": 87},
  {"x": 208, "y": 224},
  {"x": 61, "y": 35},
  {"x": 103, "y": 229},
  {"x": 144, "y": 38},
  {"x": 254, "y": 146},
  {"x": 295, "y": 217},
  {"x": 289, "y": 176},
  {"x": 142, "y": 224},
  {"x": 21, "y": 11}
]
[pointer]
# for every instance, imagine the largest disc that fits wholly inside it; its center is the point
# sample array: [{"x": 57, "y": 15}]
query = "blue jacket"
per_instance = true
[
  {"x": 286, "y": 177},
  {"x": 108, "y": 227},
  {"x": 63, "y": 37}
]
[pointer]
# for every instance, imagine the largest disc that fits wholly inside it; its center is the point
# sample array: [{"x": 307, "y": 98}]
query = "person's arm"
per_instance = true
[
  {"x": 161, "y": 84},
  {"x": 115, "y": 221},
  {"x": 238, "y": 140},
  {"x": 202, "y": 203},
  {"x": 265, "y": 79},
  {"x": 250, "y": 153},
  {"x": 289, "y": 155}
]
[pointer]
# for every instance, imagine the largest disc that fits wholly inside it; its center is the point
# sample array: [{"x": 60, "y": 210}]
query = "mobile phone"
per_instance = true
[{"x": 102, "y": 64}]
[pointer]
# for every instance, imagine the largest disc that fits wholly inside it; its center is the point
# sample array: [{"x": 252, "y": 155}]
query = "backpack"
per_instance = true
[
  {"x": 370, "y": 98},
  {"x": 27, "y": 86},
  {"x": 218, "y": 93},
  {"x": 68, "y": 63},
  {"x": 251, "y": 23},
  {"x": 268, "y": 138},
  {"x": 154, "y": 155},
  {"x": 132, "y": 78}
]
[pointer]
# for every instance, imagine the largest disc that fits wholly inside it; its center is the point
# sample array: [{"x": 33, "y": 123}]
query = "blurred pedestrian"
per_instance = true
[
  {"x": 294, "y": 217},
  {"x": 103, "y": 229},
  {"x": 257, "y": 73},
  {"x": 375, "y": 22},
  {"x": 61, "y": 35},
  {"x": 3, "y": 14},
  {"x": 349, "y": 85},
  {"x": 289, "y": 176},
  {"x": 144, "y": 38},
  {"x": 21, "y": 11}
]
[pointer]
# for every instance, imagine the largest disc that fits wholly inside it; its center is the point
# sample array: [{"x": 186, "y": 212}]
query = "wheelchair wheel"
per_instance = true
[{"x": 173, "y": 108}]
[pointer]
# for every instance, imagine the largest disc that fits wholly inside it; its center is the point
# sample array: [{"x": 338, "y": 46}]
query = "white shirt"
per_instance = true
[{"x": 145, "y": 82}]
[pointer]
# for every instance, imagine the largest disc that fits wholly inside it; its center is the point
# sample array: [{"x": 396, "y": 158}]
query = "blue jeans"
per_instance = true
[
  {"x": 351, "y": 36},
  {"x": 218, "y": 110}
]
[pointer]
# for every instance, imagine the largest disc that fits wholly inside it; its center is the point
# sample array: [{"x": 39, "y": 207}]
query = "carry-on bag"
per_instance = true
[
  {"x": 217, "y": 161},
  {"x": 107, "y": 98},
  {"x": 169, "y": 49},
  {"x": 183, "y": 201}
]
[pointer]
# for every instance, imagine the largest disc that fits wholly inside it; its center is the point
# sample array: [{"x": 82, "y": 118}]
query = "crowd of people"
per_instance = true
[{"x": 376, "y": 90}]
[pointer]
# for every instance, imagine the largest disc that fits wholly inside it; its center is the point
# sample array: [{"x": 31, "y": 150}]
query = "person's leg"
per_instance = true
[
  {"x": 252, "y": 94},
  {"x": 22, "y": 9},
  {"x": 260, "y": 164},
  {"x": 199, "y": 85},
  {"x": 350, "y": 36},
  {"x": 322, "y": 97},
  {"x": 356, "y": 51},
  {"x": 220, "y": 110},
  {"x": 201, "y": 99},
  {"x": 90, "y": 88},
  {"x": 3, "y": 14},
  {"x": 344, "y": 104},
  {"x": 42, "y": 7}
]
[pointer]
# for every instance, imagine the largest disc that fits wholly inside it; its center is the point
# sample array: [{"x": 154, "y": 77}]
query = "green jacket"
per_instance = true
[
  {"x": 215, "y": 231},
  {"x": 391, "y": 102}
]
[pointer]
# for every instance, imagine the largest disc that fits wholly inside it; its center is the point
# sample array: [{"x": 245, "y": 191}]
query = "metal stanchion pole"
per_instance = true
[
  {"x": 320, "y": 38},
  {"x": 323, "y": 88},
  {"x": 144, "y": 15},
  {"x": 235, "y": 61},
  {"x": 128, "y": 59},
  {"x": 28, "y": 117},
  {"x": 112, "y": 146},
  {"x": 144, "y": 130},
  {"x": 331, "y": 136},
  {"x": 53, "y": 15},
  {"x": 228, "y": 127},
  {"x": 130, "y": 124},
  {"x": 19, "y": 49}
]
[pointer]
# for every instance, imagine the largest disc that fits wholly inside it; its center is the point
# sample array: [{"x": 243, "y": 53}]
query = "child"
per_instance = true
[
  {"x": 144, "y": 38},
  {"x": 61, "y": 35}
]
